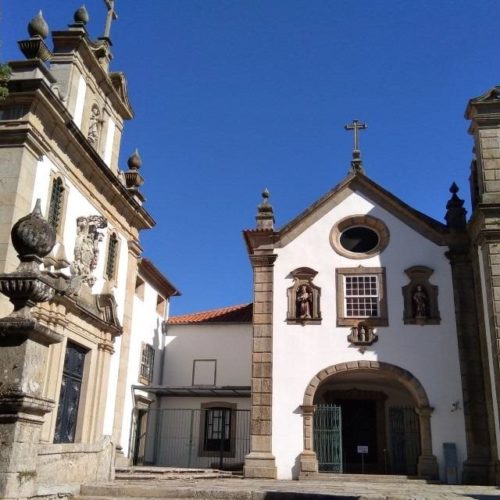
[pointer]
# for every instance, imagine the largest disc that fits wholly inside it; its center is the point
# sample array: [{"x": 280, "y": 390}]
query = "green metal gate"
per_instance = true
[
  {"x": 405, "y": 440},
  {"x": 328, "y": 438}
]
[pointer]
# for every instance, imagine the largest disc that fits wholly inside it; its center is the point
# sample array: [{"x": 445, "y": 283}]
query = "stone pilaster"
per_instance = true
[
  {"x": 260, "y": 462},
  {"x": 308, "y": 459},
  {"x": 476, "y": 467},
  {"x": 484, "y": 232},
  {"x": 134, "y": 251},
  {"x": 427, "y": 463}
]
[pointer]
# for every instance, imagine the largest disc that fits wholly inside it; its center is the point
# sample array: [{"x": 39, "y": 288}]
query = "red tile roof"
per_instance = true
[{"x": 241, "y": 313}]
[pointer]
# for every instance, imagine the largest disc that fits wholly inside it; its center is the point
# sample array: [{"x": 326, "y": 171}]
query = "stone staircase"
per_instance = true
[{"x": 153, "y": 483}]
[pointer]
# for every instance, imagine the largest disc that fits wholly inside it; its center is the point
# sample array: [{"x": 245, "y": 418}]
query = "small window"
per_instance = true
[
  {"x": 147, "y": 364},
  {"x": 56, "y": 205},
  {"x": 361, "y": 296},
  {"x": 112, "y": 257},
  {"x": 217, "y": 432}
]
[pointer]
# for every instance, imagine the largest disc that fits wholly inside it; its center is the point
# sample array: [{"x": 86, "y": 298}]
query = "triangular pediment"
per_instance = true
[{"x": 359, "y": 183}]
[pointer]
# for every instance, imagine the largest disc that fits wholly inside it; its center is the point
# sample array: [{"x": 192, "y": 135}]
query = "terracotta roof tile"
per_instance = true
[{"x": 241, "y": 313}]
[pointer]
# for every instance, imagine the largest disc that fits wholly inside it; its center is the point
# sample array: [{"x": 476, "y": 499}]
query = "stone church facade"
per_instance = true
[{"x": 70, "y": 355}]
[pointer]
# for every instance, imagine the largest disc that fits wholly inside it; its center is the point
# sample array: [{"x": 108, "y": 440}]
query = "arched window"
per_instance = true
[
  {"x": 56, "y": 205},
  {"x": 112, "y": 257}
]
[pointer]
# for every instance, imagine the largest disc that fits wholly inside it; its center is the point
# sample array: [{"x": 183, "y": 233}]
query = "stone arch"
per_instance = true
[
  {"x": 395, "y": 372},
  {"x": 427, "y": 463}
]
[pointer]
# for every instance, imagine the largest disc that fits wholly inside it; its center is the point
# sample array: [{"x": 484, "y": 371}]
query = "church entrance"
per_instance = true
[{"x": 366, "y": 423}]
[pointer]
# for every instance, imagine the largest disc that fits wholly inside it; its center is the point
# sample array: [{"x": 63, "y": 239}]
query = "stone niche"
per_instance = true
[
  {"x": 303, "y": 298},
  {"x": 420, "y": 298}
]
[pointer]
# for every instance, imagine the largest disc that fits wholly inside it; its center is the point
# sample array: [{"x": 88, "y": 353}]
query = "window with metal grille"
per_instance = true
[
  {"x": 217, "y": 436},
  {"x": 112, "y": 257},
  {"x": 147, "y": 364},
  {"x": 361, "y": 296},
  {"x": 56, "y": 203}
]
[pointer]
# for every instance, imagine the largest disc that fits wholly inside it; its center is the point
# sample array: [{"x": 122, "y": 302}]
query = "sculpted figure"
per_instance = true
[
  {"x": 420, "y": 302},
  {"x": 304, "y": 302},
  {"x": 87, "y": 247},
  {"x": 94, "y": 125}
]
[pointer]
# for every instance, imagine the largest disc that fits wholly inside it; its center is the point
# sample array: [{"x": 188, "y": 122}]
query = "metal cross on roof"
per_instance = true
[
  {"x": 356, "y": 125},
  {"x": 356, "y": 162},
  {"x": 111, "y": 16}
]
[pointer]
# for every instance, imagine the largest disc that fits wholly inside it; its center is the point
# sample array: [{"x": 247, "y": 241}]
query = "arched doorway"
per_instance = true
[{"x": 386, "y": 411}]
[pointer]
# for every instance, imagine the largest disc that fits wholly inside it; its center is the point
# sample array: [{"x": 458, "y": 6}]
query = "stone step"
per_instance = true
[{"x": 371, "y": 478}]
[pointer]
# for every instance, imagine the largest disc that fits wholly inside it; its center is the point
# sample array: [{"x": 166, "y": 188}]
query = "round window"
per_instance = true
[
  {"x": 359, "y": 236},
  {"x": 359, "y": 239}
]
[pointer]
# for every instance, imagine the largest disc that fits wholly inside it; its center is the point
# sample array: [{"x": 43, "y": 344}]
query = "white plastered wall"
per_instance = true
[
  {"x": 78, "y": 205},
  {"x": 430, "y": 352}
]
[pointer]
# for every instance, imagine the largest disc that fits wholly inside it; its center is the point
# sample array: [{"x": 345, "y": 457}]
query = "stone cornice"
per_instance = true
[
  {"x": 35, "y": 93},
  {"x": 154, "y": 277}
]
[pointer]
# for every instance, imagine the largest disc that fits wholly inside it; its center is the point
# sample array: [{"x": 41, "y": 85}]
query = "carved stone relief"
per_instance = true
[
  {"x": 420, "y": 298},
  {"x": 303, "y": 298},
  {"x": 88, "y": 238},
  {"x": 362, "y": 334},
  {"x": 94, "y": 125}
]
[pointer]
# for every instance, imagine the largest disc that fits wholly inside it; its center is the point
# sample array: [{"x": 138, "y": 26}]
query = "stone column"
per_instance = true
[
  {"x": 308, "y": 459},
  {"x": 427, "y": 463},
  {"x": 23, "y": 354},
  {"x": 260, "y": 462}
]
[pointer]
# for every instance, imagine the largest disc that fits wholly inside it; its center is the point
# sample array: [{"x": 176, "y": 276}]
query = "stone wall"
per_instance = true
[{"x": 62, "y": 468}]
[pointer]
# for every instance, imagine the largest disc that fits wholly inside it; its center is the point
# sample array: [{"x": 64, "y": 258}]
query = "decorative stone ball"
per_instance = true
[
  {"x": 135, "y": 161},
  {"x": 38, "y": 26},
  {"x": 81, "y": 15},
  {"x": 33, "y": 235}
]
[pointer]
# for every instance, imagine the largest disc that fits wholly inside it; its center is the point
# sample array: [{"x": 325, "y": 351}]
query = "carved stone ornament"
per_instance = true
[
  {"x": 88, "y": 238},
  {"x": 420, "y": 298},
  {"x": 303, "y": 298},
  {"x": 33, "y": 238},
  {"x": 362, "y": 334},
  {"x": 94, "y": 125}
]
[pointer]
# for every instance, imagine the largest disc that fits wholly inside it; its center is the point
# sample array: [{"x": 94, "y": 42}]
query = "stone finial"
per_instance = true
[
  {"x": 133, "y": 179},
  {"x": 135, "y": 161},
  {"x": 34, "y": 47},
  {"x": 455, "y": 211},
  {"x": 81, "y": 16},
  {"x": 265, "y": 214},
  {"x": 33, "y": 237},
  {"x": 38, "y": 27}
]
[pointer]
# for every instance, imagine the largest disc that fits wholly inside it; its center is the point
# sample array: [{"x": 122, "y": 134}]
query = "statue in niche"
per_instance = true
[
  {"x": 420, "y": 302},
  {"x": 87, "y": 247},
  {"x": 362, "y": 334},
  {"x": 94, "y": 125},
  {"x": 304, "y": 302}
]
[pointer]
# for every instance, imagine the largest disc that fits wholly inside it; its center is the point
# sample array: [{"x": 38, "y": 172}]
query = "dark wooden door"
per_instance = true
[{"x": 69, "y": 398}]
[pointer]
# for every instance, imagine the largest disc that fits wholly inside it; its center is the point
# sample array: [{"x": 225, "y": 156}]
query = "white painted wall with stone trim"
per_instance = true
[
  {"x": 78, "y": 205},
  {"x": 230, "y": 344},
  {"x": 146, "y": 328},
  {"x": 430, "y": 353}
]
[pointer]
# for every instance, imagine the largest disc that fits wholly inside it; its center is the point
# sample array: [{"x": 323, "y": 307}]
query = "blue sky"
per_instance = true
[{"x": 234, "y": 96}]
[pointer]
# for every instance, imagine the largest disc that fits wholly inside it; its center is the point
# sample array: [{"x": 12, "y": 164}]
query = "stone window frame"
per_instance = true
[
  {"x": 383, "y": 318},
  {"x": 367, "y": 221},
  {"x": 112, "y": 275},
  {"x": 147, "y": 363},
  {"x": 59, "y": 228},
  {"x": 303, "y": 276},
  {"x": 419, "y": 276},
  {"x": 204, "y": 409}
]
